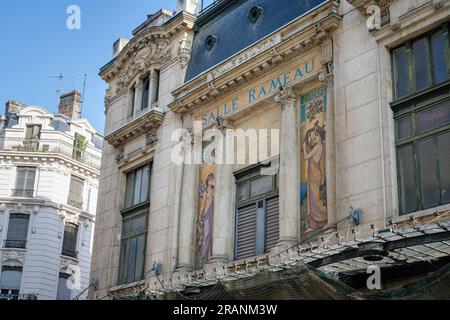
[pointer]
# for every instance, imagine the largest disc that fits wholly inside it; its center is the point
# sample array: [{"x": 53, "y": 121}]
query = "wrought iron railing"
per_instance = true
[
  {"x": 69, "y": 253},
  {"x": 12, "y": 297},
  {"x": 22, "y": 193},
  {"x": 75, "y": 203},
  {"x": 51, "y": 146},
  {"x": 17, "y": 244}
]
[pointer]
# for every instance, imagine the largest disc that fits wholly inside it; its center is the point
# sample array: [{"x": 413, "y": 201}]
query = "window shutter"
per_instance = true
[
  {"x": 272, "y": 223},
  {"x": 246, "y": 232}
]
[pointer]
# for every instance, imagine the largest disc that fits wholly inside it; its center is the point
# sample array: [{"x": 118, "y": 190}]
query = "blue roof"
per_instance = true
[{"x": 228, "y": 21}]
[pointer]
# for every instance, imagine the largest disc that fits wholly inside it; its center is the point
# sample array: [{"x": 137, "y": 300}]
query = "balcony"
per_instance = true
[
  {"x": 69, "y": 253},
  {"x": 15, "y": 244},
  {"x": 75, "y": 203},
  {"x": 12, "y": 297},
  {"x": 22, "y": 193},
  {"x": 56, "y": 146}
]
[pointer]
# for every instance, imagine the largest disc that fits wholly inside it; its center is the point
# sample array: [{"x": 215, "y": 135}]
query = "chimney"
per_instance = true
[
  {"x": 70, "y": 104},
  {"x": 14, "y": 107},
  {"x": 190, "y": 6},
  {"x": 118, "y": 46}
]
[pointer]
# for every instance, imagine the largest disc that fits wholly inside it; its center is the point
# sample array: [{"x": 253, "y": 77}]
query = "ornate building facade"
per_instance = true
[
  {"x": 351, "y": 96},
  {"x": 48, "y": 196}
]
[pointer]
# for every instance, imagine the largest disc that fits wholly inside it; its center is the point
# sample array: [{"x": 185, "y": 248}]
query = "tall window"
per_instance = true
[
  {"x": 76, "y": 192},
  {"x": 145, "y": 94},
  {"x": 422, "y": 122},
  {"x": 138, "y": 187},
  {"x": 17, "y": 231},
  {"x": 70, "y": 240},
  {"x": 33, "y": 132},
  {"x": 131, "y": 100},
  {"x": 64, "y": 292},
  {"x": 132, "y": 249},
  {"x": 422, "y": 63},
  {"x": 24, "y": 182},
  {"x": 10, "y": 283},
  {"x": 155, "y": 86},
  {"x": 257, "y": 215}
]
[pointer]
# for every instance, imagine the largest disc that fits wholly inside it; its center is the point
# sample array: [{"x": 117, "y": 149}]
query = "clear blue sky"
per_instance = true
[{"x": 35, "y": 45}]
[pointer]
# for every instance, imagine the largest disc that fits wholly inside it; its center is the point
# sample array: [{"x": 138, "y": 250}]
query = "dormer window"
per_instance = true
[
  {"x": 210, "y": 42},
  {"x": 255, "y": 13}
]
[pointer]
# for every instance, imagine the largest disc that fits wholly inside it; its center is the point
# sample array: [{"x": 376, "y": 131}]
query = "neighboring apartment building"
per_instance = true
[
  {"x": 48, "y": 197},
  {"x": 358, "y": 92}
]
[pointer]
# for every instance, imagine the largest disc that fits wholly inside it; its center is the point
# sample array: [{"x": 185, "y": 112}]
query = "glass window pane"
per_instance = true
[
  {"x": 10, "y": 279},
  {"x": 438, "y": 57},
  {"x": 261, "y": 185},
  {"x": 433, "y": 118},
  {"x": 421, "y": 64},
  {"x": 444, "y": 165},
  {"x": 407, "y": 180},
  {"x": 145, "y": 192},
  {"x": 31, "y": 174},
  {"x": 427, "y": 158},
  {"x": 129, "y": 190},
  {"x": 139, "y": 224},
  {"x": 404, "y": 129},
  {"x": 140, "y": 253},
  {"x": 241, "y": 191},
  {"x": 401, "y": 72},
  {"x": 17, "y": 229},
  {"x": 126, "y": 227},
  {"x": 123, "y": 261},
  {"x": 137, "y": 187},
  {"x": 132, "y": 260}
]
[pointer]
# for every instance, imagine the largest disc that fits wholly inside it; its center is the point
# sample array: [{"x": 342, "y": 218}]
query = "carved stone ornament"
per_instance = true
[
  {"x": 151, "y": 138},
  {"x": 12, "y": 258},
  {"x": 285, "y": 96},
  {"x": 184, "y": 52}
]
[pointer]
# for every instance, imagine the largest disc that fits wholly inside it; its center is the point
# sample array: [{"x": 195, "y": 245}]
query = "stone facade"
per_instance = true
[
  {"x": 45, "y": 200},
  {"x": 324, "y": 82}
]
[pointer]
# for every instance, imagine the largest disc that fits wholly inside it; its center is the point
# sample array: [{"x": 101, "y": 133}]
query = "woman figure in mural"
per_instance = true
[
  {"x": 314, "y": 154},
  {"x": 205, "y": 218}
]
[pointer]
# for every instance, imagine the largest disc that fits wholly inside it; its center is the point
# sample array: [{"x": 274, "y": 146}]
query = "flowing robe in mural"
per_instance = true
[{"x": 313, "y": 173}]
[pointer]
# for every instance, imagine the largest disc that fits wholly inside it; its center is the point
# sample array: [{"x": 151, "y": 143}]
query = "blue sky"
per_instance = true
[{"x": 35, "y": 45}]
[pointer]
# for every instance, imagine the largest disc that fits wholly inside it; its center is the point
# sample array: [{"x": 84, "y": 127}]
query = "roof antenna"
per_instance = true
[
  {"x": 85, "y": 85},
  {"x": 59, "y": 90}
]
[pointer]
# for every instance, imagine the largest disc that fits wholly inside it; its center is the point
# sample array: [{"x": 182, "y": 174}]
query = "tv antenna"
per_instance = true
[
  {"x": 60, "y": 78},
  {"x": 85, "y": 85}
]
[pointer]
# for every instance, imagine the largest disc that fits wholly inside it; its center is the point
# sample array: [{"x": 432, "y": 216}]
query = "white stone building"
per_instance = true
[
  {"x": 359, "y": 93},
  {"x": 49, "y": 168}
]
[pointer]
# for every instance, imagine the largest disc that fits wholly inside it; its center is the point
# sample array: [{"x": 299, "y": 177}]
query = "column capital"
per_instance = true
[
  {"x": 327, "y": 75},
  {"x": 285, "y": 96}
]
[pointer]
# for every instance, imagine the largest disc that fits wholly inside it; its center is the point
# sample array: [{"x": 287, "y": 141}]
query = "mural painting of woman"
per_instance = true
[
  {"x": 314, "y": 154},
  {"x": 205, "y": 218}
]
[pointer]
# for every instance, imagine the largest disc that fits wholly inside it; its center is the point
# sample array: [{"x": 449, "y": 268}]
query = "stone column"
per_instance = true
[
  {"x": 289, "y": 168},
  {"x": 223, "y": 210},
  {"x": 188, "y": 210},
  {"x": 138, "y": 96}
]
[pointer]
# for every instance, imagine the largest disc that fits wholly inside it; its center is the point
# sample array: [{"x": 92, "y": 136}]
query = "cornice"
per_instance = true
[
  {"x": 294, "y": 40},
  {"x": 146, "y": 124},
  {"x": 7, "y": 157}
]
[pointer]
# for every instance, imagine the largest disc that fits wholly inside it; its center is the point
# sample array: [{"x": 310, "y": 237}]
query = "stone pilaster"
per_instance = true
[
  {"x": 289, "y": 168},
  {"x": 223, "y": 210},
  {"x": 186, "y": 239}
]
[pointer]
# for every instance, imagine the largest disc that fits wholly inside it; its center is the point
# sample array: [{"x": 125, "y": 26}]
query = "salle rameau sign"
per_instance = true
[{"x": 288, "y": 76}]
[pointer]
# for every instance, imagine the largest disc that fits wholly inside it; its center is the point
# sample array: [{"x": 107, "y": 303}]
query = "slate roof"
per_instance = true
[{"x": 228, "y": 21}]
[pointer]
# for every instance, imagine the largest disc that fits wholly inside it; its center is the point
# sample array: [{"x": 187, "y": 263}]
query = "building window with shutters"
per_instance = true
[
  {"x": 69, "y": 247},
  {"x": 138, "y": 187},
  {"x": 422, "y": 121},
  {"x": 132, "y": 248},
  {"x": 25, "y": 179},
  {"x": 257, "y": 216},
  {"x": 17, "y": 231},
  {"x": 64, "y": 292},
  {"x": 76, "y": 189},
  {"x": 10, "y": 280}
]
